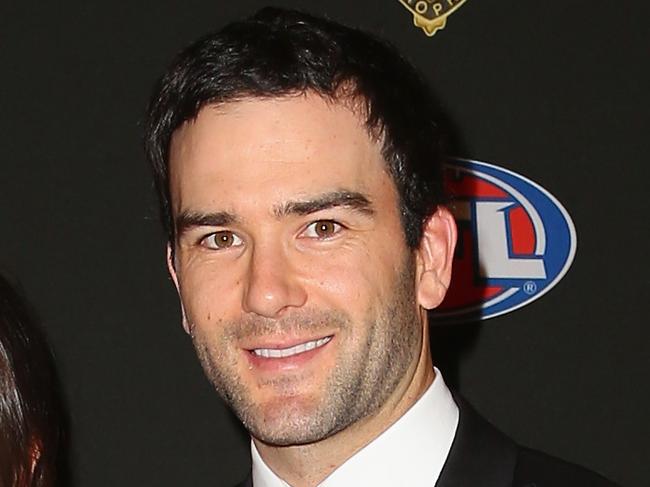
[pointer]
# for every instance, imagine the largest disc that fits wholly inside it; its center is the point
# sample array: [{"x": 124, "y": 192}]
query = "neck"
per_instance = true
[{"x": 308, "y": 465}]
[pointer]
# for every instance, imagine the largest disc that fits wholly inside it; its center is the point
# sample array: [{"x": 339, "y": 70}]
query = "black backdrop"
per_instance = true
[{"x": 553, "y": 90}]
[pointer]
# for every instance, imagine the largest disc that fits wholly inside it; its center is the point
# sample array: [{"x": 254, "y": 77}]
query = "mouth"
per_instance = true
[
  {"x": 291, "y": 351},
  {"x": 287, "y": 354},
  {"x": 278, "y": 353}
]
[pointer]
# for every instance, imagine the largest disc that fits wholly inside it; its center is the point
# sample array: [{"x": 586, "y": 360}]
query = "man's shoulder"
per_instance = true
[
  {"x": 538, "y": 469},
  {"x": 483, "y": 455}
]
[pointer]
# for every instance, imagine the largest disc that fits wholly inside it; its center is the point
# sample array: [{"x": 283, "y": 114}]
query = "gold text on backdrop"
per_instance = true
[{"x": 431, "y": 15}]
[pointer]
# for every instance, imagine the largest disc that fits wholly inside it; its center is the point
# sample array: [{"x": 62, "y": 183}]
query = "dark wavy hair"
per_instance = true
[
  {"x": 277, "y": 53},
  {"x": 31, "y": 424}
]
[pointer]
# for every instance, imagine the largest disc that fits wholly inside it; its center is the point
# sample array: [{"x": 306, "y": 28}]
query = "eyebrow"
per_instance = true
[
  {"x": 187, "y": 219},
  {"x": 335, "y": 199}
]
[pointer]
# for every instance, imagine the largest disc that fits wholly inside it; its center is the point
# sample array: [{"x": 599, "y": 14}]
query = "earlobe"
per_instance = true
[
  {"x": 434, "y": 258},
  {"x": 171, "y": 268}
]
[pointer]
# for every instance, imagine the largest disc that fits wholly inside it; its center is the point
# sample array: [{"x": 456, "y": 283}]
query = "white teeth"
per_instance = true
[{"x": 288, "y": 352}]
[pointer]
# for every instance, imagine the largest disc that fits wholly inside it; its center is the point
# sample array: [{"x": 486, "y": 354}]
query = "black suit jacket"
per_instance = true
[{"x": 482, "y": 456}]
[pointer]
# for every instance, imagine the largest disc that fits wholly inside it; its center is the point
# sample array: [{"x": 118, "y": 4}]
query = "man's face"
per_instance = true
[{"x": 296, "y": 283}]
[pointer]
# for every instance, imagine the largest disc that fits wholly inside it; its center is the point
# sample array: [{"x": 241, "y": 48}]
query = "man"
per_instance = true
[{"x": 298, "y": 165}]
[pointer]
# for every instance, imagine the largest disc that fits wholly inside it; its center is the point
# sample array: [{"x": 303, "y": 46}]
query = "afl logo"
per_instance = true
[{"x": 515, "y": 241}]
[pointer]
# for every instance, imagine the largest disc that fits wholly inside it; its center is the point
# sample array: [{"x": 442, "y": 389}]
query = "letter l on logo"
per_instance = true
[{"x": 493, "y": 246}]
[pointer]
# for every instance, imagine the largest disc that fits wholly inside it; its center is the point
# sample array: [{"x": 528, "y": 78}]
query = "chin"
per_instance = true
[{"x": 289, "y": 421}]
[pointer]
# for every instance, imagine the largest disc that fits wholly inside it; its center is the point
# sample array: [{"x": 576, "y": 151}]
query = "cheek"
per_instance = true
[
  {"x": 335, "y": 279},
  {"x": 353, "y": 284},
  {"x": 208, "y": 294}
]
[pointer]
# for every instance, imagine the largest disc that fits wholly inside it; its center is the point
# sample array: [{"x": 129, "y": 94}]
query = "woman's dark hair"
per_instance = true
[
  {"x": 278, "y": 53},
  {"x": 30, "y": 411}
]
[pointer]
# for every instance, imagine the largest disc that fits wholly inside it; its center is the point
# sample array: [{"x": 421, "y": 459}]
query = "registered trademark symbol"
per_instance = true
[{"x": 530, "y": 287}]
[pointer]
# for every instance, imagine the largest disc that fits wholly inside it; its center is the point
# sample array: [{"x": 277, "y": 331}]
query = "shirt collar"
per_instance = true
[{"x": 412, "y": 451}]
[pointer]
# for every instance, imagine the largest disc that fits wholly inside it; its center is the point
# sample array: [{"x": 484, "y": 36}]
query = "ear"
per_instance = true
[
  {"x": 171, "y": 268},
  {"x": 434, "y": 258}
]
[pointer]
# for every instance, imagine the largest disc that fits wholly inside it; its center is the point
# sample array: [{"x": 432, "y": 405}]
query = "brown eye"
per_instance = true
[
  {"x": 322, "y": 229},
  {"x": 221, "y": 240}
]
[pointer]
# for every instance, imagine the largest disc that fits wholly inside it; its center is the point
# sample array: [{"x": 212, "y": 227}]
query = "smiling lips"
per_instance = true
[{"x": 290, "y": 351}]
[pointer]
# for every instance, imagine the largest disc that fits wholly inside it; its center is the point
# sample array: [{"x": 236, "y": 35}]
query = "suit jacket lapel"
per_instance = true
[
  {"x": 480, "y": 454},
  {"x": 248, "y": 482}
]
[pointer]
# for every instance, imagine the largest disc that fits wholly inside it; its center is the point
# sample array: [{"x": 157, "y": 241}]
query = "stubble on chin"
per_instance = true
[
  {"x": 366, "y": 373},
  {"x": 287, "y": 417}
]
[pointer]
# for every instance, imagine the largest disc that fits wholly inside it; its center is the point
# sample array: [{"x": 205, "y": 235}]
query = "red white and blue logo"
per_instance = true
[{"x": 515, "y": 241}]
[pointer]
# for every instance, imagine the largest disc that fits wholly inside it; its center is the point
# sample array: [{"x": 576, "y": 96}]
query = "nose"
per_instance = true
[{"x": 272, "y": 284}]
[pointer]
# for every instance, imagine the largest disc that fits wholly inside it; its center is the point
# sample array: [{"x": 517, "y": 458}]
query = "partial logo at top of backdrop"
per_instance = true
[
  {"x": 431, "y": 15},
  {"x": 515, "y": 241}
]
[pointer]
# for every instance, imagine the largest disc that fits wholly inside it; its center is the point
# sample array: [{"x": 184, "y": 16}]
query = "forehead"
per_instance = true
[{"x": 269, "y": 150}]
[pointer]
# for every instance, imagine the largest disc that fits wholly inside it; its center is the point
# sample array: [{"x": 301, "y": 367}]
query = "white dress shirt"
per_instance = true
[{"x": 412, "y": 451}]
